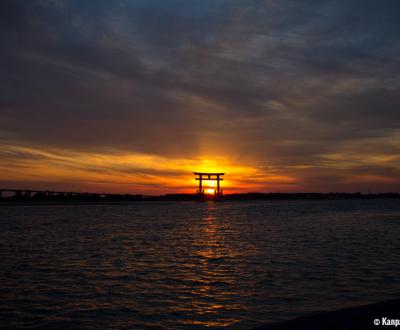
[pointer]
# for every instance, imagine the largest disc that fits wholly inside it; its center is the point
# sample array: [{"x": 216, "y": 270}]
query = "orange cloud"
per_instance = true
[{"x": 126, "y": 172}]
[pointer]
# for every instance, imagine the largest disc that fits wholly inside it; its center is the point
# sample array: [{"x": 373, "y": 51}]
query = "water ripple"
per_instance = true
[{"x": 193, "y": 265}]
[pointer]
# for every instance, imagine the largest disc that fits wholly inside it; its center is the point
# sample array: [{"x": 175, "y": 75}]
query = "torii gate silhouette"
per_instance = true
[{"x": 209, "y": 176}]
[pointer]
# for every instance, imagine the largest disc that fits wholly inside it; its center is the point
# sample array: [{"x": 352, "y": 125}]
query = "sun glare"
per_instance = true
[
  {"x": 211, "y": 183},
  {"x": 210, "y": 191}
]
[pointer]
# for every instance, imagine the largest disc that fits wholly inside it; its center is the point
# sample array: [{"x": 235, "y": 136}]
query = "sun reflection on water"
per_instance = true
[{"x": 213, "y": 295}]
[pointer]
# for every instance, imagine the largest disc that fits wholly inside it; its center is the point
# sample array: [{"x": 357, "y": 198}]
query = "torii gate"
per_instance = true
[{"x": 209, "y": 176}]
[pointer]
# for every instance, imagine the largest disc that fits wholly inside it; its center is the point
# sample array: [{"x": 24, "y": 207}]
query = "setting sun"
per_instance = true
[{"x": 210, "y": 187}]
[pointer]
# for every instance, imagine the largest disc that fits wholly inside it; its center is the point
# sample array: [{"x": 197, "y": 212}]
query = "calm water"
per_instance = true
[{"x": 194, "y": 265}]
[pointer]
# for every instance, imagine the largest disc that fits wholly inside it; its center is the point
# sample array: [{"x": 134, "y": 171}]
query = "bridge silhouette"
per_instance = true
[{"x": 36, "y": 194}]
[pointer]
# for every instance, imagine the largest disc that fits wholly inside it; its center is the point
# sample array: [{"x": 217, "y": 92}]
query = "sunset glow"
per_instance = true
[
  {"x": 136, "y": 107},
  {"x": 152, "y": 174},
  {"x": 199, "y": 164}
]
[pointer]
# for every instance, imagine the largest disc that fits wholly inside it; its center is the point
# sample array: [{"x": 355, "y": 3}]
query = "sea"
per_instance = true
[{"x": 188, "y": 265}]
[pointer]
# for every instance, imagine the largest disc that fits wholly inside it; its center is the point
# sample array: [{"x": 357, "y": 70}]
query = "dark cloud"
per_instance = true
[{"x": 274, "y": 82}]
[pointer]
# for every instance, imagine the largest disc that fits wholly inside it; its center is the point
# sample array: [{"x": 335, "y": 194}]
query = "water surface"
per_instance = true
[{"x": 194, "y": 265}]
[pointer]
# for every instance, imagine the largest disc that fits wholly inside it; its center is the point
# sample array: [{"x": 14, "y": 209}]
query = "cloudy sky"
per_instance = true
[{"x": 133, "y": 95}]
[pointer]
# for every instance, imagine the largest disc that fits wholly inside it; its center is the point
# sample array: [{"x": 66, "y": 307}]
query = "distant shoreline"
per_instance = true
[{"x": 120, "y": 199}]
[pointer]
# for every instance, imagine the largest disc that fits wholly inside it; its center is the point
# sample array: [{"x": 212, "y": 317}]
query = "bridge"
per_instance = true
[{"x": 29, "y": 193}]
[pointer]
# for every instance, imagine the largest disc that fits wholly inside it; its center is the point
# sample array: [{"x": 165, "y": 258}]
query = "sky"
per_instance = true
[{"x": 133, "y": 96}]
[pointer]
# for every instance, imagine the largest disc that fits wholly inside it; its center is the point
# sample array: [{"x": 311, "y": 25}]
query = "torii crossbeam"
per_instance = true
[{"x": 209, "y": 176}]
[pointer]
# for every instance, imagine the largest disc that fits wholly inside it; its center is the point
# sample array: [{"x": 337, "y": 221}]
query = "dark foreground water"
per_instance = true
[{"x": 194, "y": 265}]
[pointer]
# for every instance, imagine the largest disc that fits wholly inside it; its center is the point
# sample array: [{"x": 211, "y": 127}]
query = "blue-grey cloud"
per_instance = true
[{"x": 283, "y": 83}]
